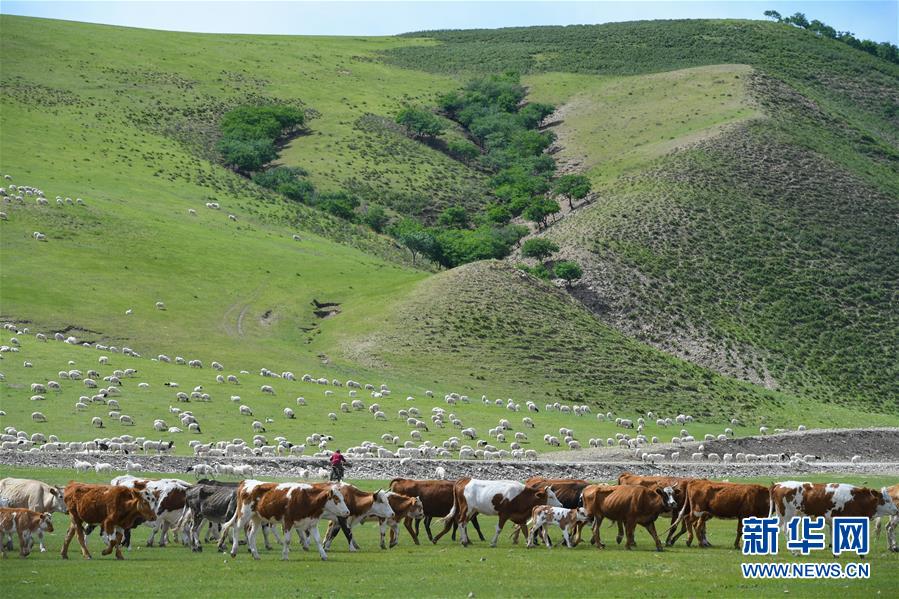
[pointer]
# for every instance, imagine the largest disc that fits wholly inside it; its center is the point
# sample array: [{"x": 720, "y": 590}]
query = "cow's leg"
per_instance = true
[
  {"x": 446, "y": 527},
  {"x": 740, "y": 532},
  {"x": 597, "y": 537},
  {"x": 891, "y": 533},
  {"x": 268, "y": 546},
  {"x": 81, "y": 541},
  {"x": 499, "y": 528},
  {"x": 630, "y": 526},
  {"x": 347, "y": 529},
  {"x": 255, "y": 525},
  {"x": 566, "y": 537},
  {"x": 477, "y": 527},
  {"x": 23, "y": 543},
  {"x": 164, "y": 527},
  {"x": 544, "y": 534},
  {"x": 651, "y": 527},
  {"x": 193, "y": 532},
  {"x": 516, "y": 532},
  {"x": 285, "y": 539},
  {"x": 531, "y": 536},
  {"x": 407, "y": 522},
  {"x": 700, "y": 529},
  {"x": 330, "y": 533},
  {"x": 40, "y": 540},
  {"x": 620, "y": 534},
  {"x": 395, "y": 534},
  {"x": 318, "y": 542}
]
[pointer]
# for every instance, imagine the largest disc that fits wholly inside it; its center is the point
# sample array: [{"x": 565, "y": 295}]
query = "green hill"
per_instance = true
[{"x": 126, "y": 119}]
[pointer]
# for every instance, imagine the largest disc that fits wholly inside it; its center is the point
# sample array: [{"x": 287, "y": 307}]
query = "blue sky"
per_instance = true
[{"x": 878, "y": 20}]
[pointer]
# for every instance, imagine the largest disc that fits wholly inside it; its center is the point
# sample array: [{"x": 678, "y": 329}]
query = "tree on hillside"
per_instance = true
[
  {"x": 420, "y": 122},
  {"x": 572, "y": 187},
  {"x": 773, "y": 14},
  {"x": 538, "y": 248},
  {"x": 799, "y": 19},
  {"x": 569, "y": 271},
  {"x": 376, "y": 218},
  {"x": 414, "y": 237},
  {"x": 539, "y": 210},
  {"x": 453, "y": 217}
]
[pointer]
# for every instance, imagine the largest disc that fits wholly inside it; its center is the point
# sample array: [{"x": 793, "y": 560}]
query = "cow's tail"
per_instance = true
[
  {"x": 683, "y": 513},
  {"x": 771, "y": 510},
  {"x": 449, "y": 517}
]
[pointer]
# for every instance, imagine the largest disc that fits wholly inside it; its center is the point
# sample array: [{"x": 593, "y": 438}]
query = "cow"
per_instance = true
[
  {"x": 24, "y": 523},
  {"x": 829, "y": 500},
  {"x": 362, "y": 506},
  {"x": 32, "y": 495},
  {"x": 115, "y": 509},
  {"x": 213, "y": 501},
  {"x": 507, "y": 499},
  {"x": 629, "y": 505},
  {"x": 568, "y": 492},
  {"x": 171, "y": 494},
  {"x": 893, "y": 521},
  {"x": 292, "y": 505},
  {"x": 707, "y": 499},
  {"x": 565, "y": 518},
  {"x": 404, "y": 508},
  {"x": 436, "y": 500},
  {"x": 677, "y": 483}
]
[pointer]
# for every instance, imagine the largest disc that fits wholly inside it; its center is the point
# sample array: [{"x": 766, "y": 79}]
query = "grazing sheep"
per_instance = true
[
  {"x": 267, "y": 389},
  {"x": 82, "y": 466},
  {"x": 126, "y": 420},
  {"x": 102, "y": 467},
  {"x": 332, "y": 416},
  {"x": 160, "y": 305},
  {"x": 38, "y": 417},
  {"x": 245, "y": 410},
  {"x": 97, "y": 422}
]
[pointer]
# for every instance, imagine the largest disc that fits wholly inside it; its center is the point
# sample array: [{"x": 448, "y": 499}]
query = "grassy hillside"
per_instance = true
[
  {"x": 764, "y": 246},
  {"x": 129, "y": 126}
]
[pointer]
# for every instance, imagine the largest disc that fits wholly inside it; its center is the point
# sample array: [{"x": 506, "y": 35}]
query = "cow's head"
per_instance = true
[
  {"x": 46, "y": 523},
  {"x": 380, "y": 507},
  {"x": 551, "y": 498},
  {"x": 146, "y": 504},
  {"x": 417, "y": 510},
  {"x": 580, "y": 514},
  {"x": 335, "y": 504},
  {"x": 887, "y": 507},
  {"x": 59, "y": 504},
  {"x": 667, "y": 495}
]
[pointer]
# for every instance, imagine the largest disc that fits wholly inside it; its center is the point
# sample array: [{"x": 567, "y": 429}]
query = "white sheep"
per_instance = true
[
  {"x": 38, "y": 417},
  {"x": 126, "y": 420},
  {"x": 160, "y": 305},
  {"x": 267, "y": 389},
  {"x": 245, "y": 410}
]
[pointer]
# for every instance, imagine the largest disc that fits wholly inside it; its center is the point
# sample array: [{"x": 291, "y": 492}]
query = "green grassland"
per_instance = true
[
  {"x": 612, "y": 125},
  {"x": 446, "y": 569}
]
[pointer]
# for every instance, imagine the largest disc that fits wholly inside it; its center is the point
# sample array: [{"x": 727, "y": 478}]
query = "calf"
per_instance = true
[
  {"x": 677, "y": 483},
  {"x": 568, "y": 492},
  {"x": 507, "y": 499},
  {"x": 32, "y": 495},
  {"x": 565, "y": 518},
  {"x": 292, "y": 505},
  {"x": 893, "y": 521},
  {"x": 707, "y": 499},
  {"x": 404, "y": 508},
  {"x": 629, "y": 505},
  {"x": 362, "y": 506},
  {"x": 24, "y": 523},
  {"x": 818, "y": 500},
  {"x": 436, "y": 500},
  {"x": 115, "y": 509}
]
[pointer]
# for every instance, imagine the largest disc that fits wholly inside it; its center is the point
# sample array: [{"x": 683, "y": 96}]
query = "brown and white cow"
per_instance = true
[
  {"x": 677, "y": 483},
  {"x": 23, "y": 523},
  {"x": 171, "y": 497},
  {"x": 293, "y": 505},
  {"x": 32, "y": 495},
  {"x": 713, "y": 499},
  {"x": 567, "y": 519},
  {"x": 507, "y": 499},
  {"x": 436, "y": 500},
  {"x": 829, "y": 500},
  {"x": 115, "y": 509},
  {"x": 568, "y": 492},
  {"x": 362, "y": 506}
]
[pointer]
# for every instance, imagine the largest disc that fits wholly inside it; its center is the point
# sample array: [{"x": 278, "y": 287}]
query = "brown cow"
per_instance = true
[
  {"x": 507, "y": 499},
  {"x": 292, "y": 505},
  {"x": 818, "y": 500},
  {"x": 404, "y": 508},
  {"x": 115, "y": 509},
  {"x": 707, "y": 499},
  {"x": 436, "y": 501},
  {"x": 677, "y": 483},
  {"x": 631, "y": 505},
  {"x": 362, "y": 506},
  {"x": 24, "y": 523}
]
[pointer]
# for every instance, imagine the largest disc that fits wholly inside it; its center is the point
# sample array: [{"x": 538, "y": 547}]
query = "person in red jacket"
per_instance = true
[{"x": 337, "y": 465}]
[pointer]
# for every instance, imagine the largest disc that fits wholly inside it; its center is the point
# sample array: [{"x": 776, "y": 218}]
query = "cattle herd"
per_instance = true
[{"x": 173, "y": 506}]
